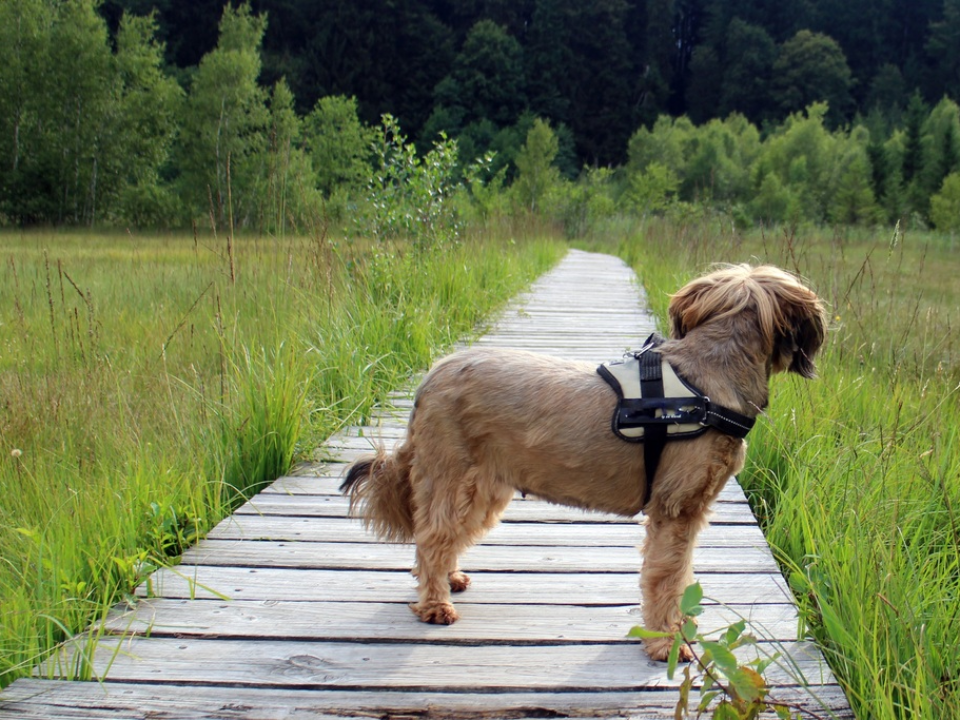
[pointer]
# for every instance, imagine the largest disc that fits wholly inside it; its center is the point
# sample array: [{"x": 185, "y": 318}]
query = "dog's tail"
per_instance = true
[{"x": 381, "y": 483}]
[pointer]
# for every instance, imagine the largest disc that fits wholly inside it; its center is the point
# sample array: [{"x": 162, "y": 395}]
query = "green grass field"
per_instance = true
[
  {"x": 855, "y": 476},
  {"x": 143, "y": 391}
]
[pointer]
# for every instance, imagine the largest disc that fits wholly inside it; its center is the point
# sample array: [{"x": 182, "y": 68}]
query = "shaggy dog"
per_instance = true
[{"x": 487, "y": 423}]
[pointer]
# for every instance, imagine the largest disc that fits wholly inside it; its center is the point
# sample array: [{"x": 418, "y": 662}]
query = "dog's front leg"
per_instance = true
[{"x": 667, "y": 570}]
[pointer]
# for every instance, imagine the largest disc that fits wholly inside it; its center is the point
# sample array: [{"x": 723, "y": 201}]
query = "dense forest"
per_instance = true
[{"x": 159, "y": 113}]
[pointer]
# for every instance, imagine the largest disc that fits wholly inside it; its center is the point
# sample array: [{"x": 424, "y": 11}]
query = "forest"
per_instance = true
[{"x": 266, "y": 115}]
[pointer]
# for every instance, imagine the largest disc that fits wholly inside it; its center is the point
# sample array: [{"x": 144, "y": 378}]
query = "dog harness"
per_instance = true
[{"x": 656, "y": 405}]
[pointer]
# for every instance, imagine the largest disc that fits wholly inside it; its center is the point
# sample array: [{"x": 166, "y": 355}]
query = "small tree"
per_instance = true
[
  {"x": 146, "y": 125},
  {"x": 945, "y": 205},
  {"x": 408, "y": 196},
  {"x": 338, "y": 144},
  {"x": 652, "y": 189},
  {"x": 537, "y": 174},
  {"x": 224, "y": 128}
]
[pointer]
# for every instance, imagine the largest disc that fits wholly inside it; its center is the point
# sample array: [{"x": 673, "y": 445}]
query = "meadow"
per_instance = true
[
  {"x": 855, "y": 476},
  {"x": 148, "y": 383}
]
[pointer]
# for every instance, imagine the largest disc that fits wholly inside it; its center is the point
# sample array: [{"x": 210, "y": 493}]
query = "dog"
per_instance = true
[{"x": 487, "y": 423}]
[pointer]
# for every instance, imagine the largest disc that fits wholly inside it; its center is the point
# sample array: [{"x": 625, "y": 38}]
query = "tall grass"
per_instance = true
[
  {"x": 149, "y": 383},
  {"x": 856, "y": 475}
]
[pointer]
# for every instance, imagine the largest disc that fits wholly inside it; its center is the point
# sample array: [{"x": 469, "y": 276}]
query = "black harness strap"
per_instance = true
[
  {"x": 688, "y": 416},
  {"x": 655, "y": 436}
]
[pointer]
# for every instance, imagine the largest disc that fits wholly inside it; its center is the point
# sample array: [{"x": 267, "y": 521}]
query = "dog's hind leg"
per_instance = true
[{"x": 448, "y": 521}]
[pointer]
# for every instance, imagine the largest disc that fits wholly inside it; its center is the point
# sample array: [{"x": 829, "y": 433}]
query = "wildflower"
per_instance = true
[{"x": 15, "y": 453}]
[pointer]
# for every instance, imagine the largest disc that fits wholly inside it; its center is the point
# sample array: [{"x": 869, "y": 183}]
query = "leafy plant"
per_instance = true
[
  {"x": 409, "y": 196},
  {"x": 730, "y": 688}
]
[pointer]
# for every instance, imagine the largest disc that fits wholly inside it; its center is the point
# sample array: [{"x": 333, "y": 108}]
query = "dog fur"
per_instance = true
[{"x": 487, "y": 423}]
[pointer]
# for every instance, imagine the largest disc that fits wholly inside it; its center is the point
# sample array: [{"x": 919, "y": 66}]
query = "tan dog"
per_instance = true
[{"x": 486, "y": 423}]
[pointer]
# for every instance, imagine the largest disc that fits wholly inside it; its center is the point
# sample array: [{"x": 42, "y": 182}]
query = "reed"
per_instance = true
[
  {"x": 856, "y": 477},
  {"x": 149, "y": 383}
]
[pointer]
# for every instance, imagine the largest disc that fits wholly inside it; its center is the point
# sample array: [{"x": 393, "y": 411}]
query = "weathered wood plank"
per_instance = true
[
  {"x": 406, "y": 666},
  {"x": 40, "y": 700},
  {"x": 393, "y": 622},
  {"x": 245, "y": 583},
  {"x": 500, "y": 558},
  {"x": 317, "y": 506},
  {"x": 308, "y": 529},
  {"x": 328, "y": 483}
]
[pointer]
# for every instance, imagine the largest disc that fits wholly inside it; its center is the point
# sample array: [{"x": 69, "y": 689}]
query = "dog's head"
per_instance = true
[{"x": 790, "y": 318}]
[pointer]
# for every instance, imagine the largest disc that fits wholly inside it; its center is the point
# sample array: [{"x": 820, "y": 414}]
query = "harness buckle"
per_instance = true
[{"x": 637, "y": 412}]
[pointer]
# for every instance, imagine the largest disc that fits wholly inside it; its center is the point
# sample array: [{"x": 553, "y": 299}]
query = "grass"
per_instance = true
[
  {"x": 856, "y": 475},
  {"x": 143, "y": 393}
]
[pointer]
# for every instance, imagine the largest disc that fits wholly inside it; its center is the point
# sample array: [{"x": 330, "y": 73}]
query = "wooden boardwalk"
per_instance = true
[{"x": 290, "y": 610}]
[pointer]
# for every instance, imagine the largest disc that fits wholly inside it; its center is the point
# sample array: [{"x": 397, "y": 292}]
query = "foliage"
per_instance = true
[
  {"x": 811, "y": 67},
  {"x": 652, "y": 189},
  {"x": 945, "y": 205},
  {"x": 536, "y": 171},
  {"x": 487, "y": 79},
  {"x": 730, "y": 689},
  {"x": 338, "y": 144},
  {"x": 587, "y": 202},
  {"x": 224, "y": 125},
  {"x": 410, "y": 196}
]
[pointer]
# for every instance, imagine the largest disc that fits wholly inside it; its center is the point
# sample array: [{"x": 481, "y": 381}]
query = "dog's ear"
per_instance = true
[
  {"x": 799, "y": 324},
  {"x": 807, "y": 338},
  {"x": 687, "y": 309}
]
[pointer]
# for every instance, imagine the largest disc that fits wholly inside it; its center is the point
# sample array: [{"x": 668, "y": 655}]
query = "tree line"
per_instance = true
[
  {"x": 599, "y": 69},
  {"x": 535, "y": 106}
]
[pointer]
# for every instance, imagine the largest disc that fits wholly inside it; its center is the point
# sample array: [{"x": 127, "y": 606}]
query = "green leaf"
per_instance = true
[
  {"x": 674, "y": 657},
  {"x": 706, "y": 698},
  {"x": 734, "y": 632},
  {"x": 725, "y": 711},
  {"x": 747, "y": 683},
  {"x": 724, "y": 659},
  {"x": 708, "y": 681},
  {"x": 763, "y": 664},
  {"x": 690, "y": 602},
  {"x": 689, "y": 630},
  {"x": 638, "y": 631}
]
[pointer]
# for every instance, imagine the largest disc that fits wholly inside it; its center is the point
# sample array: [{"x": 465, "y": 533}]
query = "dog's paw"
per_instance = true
[
  {"x": 459, "y": 581},
  {"x": 659, "y": 649},
  {"x": 435, "y": 613}
]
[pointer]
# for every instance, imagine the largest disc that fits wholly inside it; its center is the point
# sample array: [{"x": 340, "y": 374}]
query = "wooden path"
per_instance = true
[{"x": 290, "y": 610}]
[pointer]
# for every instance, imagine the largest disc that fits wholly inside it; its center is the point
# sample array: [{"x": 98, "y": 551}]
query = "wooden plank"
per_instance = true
[
  {"x": 500, "y": 558},
  {"x": 393, "y": 622},
  {"x": 317, "y": 506},
  {"x": 332, "y": 475},
  {"x": 405, "y": 666},
  {"x": 32, "y": 699},
  {"x": 246, "y": 583},
  {"x": 334, "y": 529}
]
